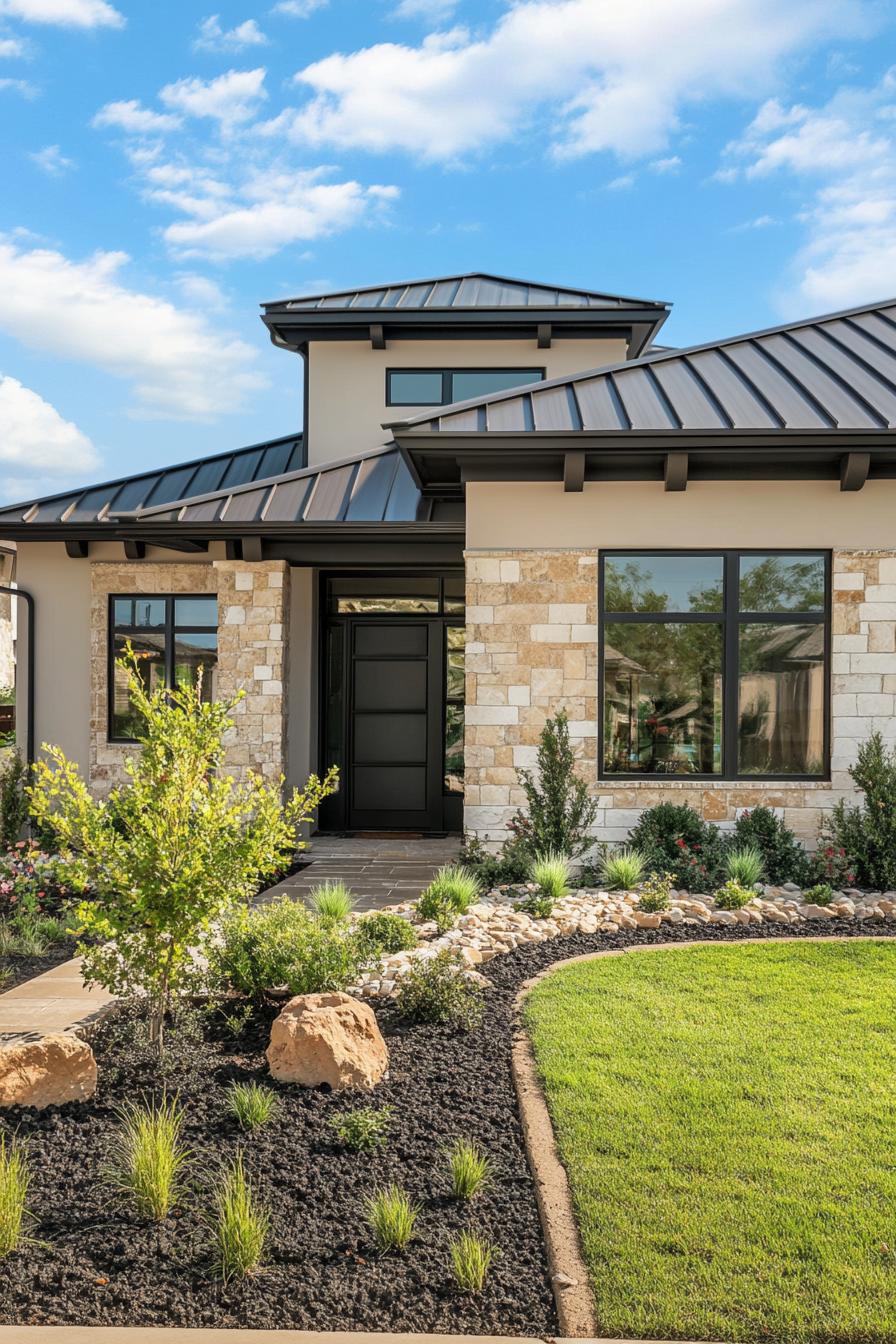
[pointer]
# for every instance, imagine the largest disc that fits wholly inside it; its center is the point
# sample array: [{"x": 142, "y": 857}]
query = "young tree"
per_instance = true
[
  {"x": 170, "y": 850},
  {"x": 559, "y": 810}
]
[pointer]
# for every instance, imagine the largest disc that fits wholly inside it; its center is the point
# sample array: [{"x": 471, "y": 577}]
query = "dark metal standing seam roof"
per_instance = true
[
  {"x": 831, "y": 372},
  {"x": 475, "y": 290},
  {"x": 154, "y": 488}
]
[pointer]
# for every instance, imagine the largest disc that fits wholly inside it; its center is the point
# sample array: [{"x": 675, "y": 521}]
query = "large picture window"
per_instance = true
[
  {"x": 714, "y": 664},
  {"x": 172, "y": 636}
]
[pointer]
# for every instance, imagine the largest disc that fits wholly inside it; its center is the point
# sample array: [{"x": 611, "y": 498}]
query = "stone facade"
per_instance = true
[
  {"x": 532, "y": 649},
  {"x": 253, "y": 616}
]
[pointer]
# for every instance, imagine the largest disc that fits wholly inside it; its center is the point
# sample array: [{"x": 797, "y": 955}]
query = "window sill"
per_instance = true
[{"x": 696, "y": 782}]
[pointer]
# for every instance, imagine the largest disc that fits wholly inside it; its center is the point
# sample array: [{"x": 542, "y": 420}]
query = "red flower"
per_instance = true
[{"x": 681, "y": 843}]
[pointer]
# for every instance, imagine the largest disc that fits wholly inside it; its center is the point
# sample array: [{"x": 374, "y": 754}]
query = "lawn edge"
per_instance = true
[{"x": 570, "y": 1279}]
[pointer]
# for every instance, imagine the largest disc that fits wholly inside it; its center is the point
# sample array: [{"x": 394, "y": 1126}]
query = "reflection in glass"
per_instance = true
[
  {"x": 192, "y": 652},
  {"x": 781, "y": 699},
  {"x": 196, "y": 611},
  {"x": 781, "y": 583},
  {"x": 455, "y": 594},
  {"x": 418, "y": 387},
  {"x": 150, "y": 654},
  {"x": 455, "y": 640},
  {"x": 387, "y": 605},
  {"x": 142, "y": 613},
  {"x": 480, "y": 382},
  {"x": 663, "y": 583},
  {"x": 663, "y": 698}
]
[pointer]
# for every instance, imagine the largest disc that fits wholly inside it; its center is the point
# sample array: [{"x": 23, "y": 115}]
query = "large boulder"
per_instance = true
[
  {"x": 329, "y": 1039},
  {"x": 46, "y": 1072}
]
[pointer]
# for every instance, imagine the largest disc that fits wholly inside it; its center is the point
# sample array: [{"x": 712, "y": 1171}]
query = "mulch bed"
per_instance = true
[
  {"x": 102, "y": 1266},
  {"x": 14, "y": 970}
]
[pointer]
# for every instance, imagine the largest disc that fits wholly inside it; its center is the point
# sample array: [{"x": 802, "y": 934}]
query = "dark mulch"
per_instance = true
[
  {"x": 16, "y": 969},
  {"x": 102, "y": 1266}
]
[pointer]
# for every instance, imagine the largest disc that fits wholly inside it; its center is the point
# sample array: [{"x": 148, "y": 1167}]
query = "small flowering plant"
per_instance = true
[
  {"x": 834, "y": 866},
  {"x": 34, "y": 883}
]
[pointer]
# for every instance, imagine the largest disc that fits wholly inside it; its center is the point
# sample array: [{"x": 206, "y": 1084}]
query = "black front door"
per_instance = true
[{"x": 392, "y": 721}]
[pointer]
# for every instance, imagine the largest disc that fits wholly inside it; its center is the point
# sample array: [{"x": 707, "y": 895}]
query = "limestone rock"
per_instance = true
[
  {"x": 327, "y": 1039},
  {"x": 48, "y": 1072}
]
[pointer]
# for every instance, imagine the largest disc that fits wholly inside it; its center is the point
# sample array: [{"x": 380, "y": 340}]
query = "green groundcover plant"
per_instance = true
[{"x": 169, "y": 851}]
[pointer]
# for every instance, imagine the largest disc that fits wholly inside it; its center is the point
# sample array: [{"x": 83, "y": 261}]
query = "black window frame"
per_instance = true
[
  {"x": 448, "y": 397},
  {"x": 169, "y": 630},
  {"x": 731, "y": 618}
]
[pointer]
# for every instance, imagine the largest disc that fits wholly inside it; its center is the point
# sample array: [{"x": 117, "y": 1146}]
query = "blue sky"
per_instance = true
[{"x": 167, "y": 166}]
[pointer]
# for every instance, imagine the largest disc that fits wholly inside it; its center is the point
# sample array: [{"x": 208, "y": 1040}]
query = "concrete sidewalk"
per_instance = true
[{"x": 58, "y": 1000}]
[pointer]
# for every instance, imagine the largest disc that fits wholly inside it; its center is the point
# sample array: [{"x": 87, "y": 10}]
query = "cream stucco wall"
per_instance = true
[
  {"x": 540, "y": 515},
  {"x": 347, "y": 381}
]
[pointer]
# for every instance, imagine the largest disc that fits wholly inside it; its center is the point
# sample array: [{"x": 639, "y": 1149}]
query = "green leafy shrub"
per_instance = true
[
  {"x": 331, "y": 901},
  {"x": 14, "y": 775},
  {"x": 559, "y": 810},
  {"x": 241, "y": 1228},
  {"x": 470, "y": 1169},
  {"x": 495, "y": 870},
  {"x": 148, "y": 1156},
  {"x": 745, "y": 865},
  {"x": 783, "y": 857},
  {"x": 471, "y": 1260},
  {"x": 821, "y": 894},
  {"x": 437, "y": 991},
  {"x": 450, "y": 893},
  {"x": 622, "y": 869},
  {"x": 14, "y": 1181},
  {"x": 655, "y": 892},
  {"x": 391, "y": 1217},
  {"x": 732, "y": 896},
  {"x": 672, "y": 838},
  {"x": 167, "y": 853},
  {"x": 364, "y": 1128},
  {"x": 550, "y": 871},
  {"x": 866, "y": 833},
  {"x": 281, "y": 944},
  {"x": 252, "y": 1104},
  {"x": 536, "y": 904},
  {"x": 382, "y": 933}
]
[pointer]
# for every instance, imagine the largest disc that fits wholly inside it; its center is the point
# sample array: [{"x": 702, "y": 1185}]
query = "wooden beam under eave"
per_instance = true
[
  {"x": 77, "y": 550},
  {"x": 854, "y": 468},
  {"x": 135, "y": 550},
  {"x": 675, "y": 471},
  {"x": 574, "y": 473},
  {"x": 545, "y": 335},
  {"x": 251, "y": 548},
  {"x": 377, "y": 336}
]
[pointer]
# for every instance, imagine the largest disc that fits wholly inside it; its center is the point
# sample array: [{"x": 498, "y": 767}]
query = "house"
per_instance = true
[{"x": 506, "y": 498}]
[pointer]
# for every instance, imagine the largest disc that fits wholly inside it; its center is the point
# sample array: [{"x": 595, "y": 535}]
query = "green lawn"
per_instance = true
[{"x": 727, "y": 1116}]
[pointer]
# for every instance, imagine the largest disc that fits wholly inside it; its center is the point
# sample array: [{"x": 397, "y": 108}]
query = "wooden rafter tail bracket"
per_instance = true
[
  {"x": 77, "y": 550},
  {"x": 573, "y": 472},
  {"x": 675, "y": 471},
  {"x": 377, "y": 336},
  {"x": 854, "y": 468}
]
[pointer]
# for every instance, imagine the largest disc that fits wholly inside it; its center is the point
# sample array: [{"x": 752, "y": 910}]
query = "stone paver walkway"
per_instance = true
[
  {"x": 57, "y": 1000},
  {"x": 381, "y": 870}
]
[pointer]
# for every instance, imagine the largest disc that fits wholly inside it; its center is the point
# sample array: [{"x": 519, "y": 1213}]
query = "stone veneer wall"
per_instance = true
[
  {"x": 532, "y": 649},
  {"x": 253, "y": 616}
]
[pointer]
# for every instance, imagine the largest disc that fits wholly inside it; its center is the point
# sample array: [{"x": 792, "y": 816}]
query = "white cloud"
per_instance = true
[
  {"x": 668, "y": 165},
  {"x": 431, "y": 11},
  {"x": 130, "y": 115},
  {"x": 845, "y": 155},
  {"x": 631, "y": 68},
  {"x": 270, "y": 210},
  {"x": 212, "y": 37},
  {"x": 65, "y": 13},
  {"x": 35, "y": 437},
  {"x": 52, "y": 161},
  {"x": 200, "y": 291},
  {"x": 622, "y": 183},
  {"x": 760, "y": 222},
  {"x": 231, "y": 98},
  {"x": 21, "y": 86},
  {"x": 179, "y": 364},
  {"x": 11, "y": 48},
  {"x": 299, "y": 9}
]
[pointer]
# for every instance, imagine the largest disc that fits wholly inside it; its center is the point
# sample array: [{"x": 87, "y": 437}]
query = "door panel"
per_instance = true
[
  {"x": 390, "y": 738},
  {"x": 389, "y": 683}
]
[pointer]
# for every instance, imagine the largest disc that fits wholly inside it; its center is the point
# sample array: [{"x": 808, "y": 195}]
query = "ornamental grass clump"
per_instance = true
[
  {"x": 13, "y": 1195},
  {"x": 391, "y": 1217},
  {"x": 622, "y": 869},
  {"x": 655, "y": 893},
  {"x": 550, "y": 872},
  {"x": 436, "y": 992},
  {"x": 732, "y": 896},
  {"x": 470, "y": 1169},
  {"x": 471, "y": 1260},
  {"x": 745, "y": 865},
  {"x": 242, "y": 1226},
  {"x": 450, "y": 893},
  {"x": 252, "y": 1104},
  {"x": 331, "y": 901},
  {"x": 363, "y": 1129},
  {"x": 169, "y": 852},
  {"x": 148, "y": 1156}
]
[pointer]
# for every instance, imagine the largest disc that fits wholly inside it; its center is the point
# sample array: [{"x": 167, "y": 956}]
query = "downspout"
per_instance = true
[{"x": 29, "y": 710}]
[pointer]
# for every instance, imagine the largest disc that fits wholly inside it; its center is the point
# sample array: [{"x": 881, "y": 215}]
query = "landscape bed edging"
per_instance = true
[{"x": 570, "y": 1280}]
